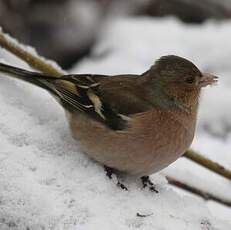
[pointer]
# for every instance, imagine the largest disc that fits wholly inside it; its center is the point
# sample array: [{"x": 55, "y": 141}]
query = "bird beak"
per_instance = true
[{"x": 207, "y": 79}]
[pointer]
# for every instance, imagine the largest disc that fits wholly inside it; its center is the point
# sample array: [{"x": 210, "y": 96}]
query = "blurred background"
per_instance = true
[{"x": 67, "y": 30}]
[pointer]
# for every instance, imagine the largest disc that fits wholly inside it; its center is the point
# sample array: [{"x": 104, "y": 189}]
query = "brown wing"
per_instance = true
[{"x": 109, "y": 100}]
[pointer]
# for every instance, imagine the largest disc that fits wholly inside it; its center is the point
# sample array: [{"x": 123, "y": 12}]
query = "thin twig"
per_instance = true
[
  {"x": 205, "y": 195},
  {"x": 207, "y": 163},
  {"x": 30, "y": 57},
  {"x": 41, "y": 64}
]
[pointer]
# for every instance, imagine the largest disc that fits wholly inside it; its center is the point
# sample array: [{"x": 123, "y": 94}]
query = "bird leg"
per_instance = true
[
  {"x": 148, "y": 183},
  {"x": 110, "y": 172}
]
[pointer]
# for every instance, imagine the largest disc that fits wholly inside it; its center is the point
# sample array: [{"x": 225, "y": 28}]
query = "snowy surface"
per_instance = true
[{"x": 46, "y": 183}]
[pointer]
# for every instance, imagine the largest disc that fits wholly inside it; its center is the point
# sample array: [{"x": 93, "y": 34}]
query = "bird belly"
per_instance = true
[{"x": 149, "y": 145}]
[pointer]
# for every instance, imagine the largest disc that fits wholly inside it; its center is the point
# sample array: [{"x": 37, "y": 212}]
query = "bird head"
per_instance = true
[
  {"x": 179, "y": 78},
  {"x": 175, "y": 70}
]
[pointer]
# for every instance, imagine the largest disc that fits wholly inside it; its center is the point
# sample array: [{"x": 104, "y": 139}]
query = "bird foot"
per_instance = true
[
  {"x": 148, "y": 183},
  {"x": 109, "y": 173}
]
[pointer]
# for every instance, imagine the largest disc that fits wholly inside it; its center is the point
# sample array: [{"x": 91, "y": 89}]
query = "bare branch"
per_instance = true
[
  {"x": 198, "y": 192},
  {"x": 30, "y": 57},
  {"x": 207, "y": 163}
]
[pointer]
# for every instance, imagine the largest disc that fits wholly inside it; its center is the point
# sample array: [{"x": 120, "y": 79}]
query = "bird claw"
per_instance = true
[
  {"x": 109, "y": 173},
  {"x": 122, "y": 186},
  {"x": 148, "y": 183}
]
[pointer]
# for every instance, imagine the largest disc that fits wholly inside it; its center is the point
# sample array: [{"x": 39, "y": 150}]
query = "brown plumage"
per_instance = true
[{"x": 137, "y": 124}]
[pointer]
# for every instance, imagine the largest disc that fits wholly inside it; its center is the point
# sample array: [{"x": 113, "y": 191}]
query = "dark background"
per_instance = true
[{"x": 66, "y": 30}]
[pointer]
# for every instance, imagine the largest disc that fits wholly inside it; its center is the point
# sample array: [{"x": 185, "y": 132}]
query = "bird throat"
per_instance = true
[{"x": 171, "y": 99}]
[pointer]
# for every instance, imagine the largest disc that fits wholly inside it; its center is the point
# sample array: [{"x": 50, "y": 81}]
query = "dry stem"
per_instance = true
[
  {"x": 197, "y": 191},
  {"x": 207, "y": 163}
]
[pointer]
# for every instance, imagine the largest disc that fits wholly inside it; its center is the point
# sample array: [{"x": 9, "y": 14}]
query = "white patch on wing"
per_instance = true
[{"x": 96, "y": 102}]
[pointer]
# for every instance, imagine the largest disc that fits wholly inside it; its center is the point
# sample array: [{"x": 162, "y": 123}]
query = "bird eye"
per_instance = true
[{"x": 190, "y": 80}]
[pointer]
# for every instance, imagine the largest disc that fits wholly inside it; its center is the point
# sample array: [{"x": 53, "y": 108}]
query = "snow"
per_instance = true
[{"x": 47, "y": 183}]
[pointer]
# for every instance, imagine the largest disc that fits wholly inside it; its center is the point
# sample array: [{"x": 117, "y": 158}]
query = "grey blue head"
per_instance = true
[{"x": 173, "y": 69}]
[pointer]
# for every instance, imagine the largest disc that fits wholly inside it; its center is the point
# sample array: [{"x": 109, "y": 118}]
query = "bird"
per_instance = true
[{"x": 132, "y": 123}]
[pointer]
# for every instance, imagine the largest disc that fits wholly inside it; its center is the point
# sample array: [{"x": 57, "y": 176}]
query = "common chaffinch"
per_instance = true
[{"x": 138, "y": 124}]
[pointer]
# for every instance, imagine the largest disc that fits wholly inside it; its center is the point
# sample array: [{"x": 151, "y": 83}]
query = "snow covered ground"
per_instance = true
[{"x": 46, "y": 183}]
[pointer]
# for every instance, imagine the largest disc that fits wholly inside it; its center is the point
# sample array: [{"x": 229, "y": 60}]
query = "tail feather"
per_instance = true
[{"x": 35, "y": 78}]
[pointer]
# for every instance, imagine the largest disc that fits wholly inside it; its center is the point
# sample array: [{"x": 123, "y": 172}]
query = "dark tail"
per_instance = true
[{"x": 39, "y": 79}]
